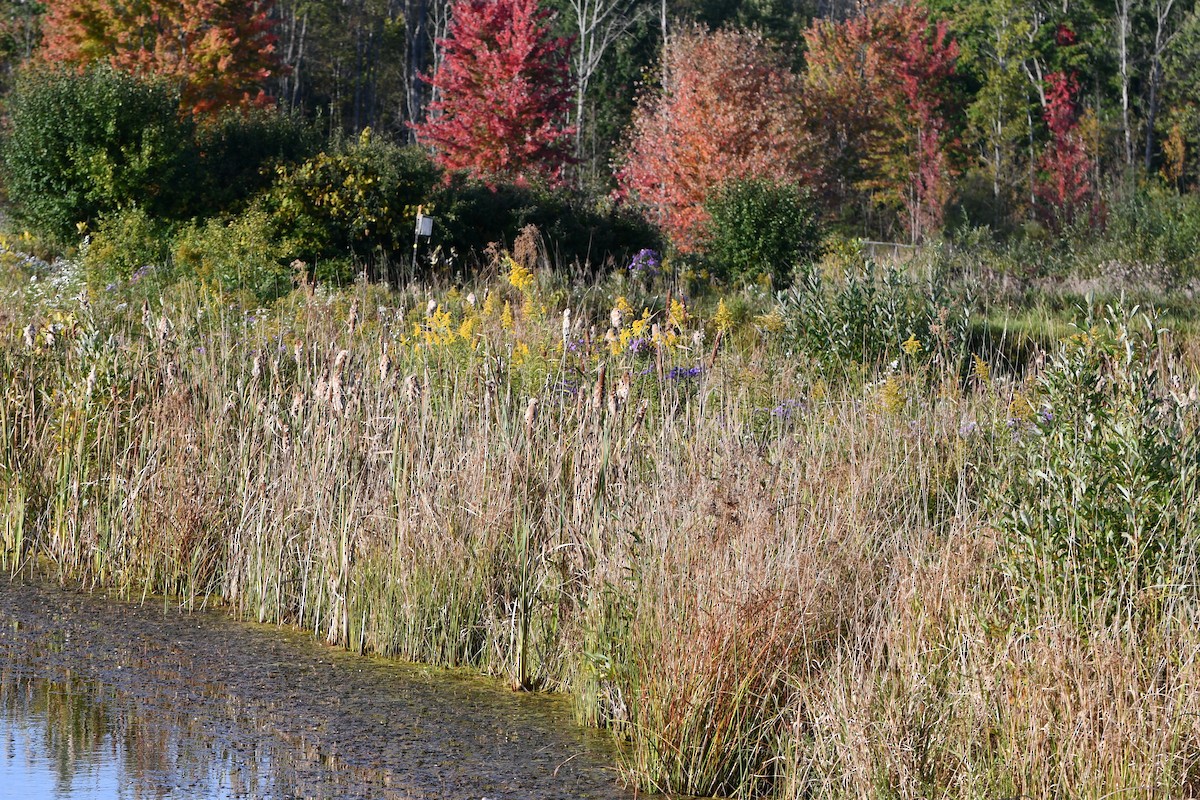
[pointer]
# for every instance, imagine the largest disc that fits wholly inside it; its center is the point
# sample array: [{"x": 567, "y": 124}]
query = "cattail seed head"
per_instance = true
[
  {"x": 91, "y": 383},
  {"x": 598, "y": 389},
  {"x": 352, "y": 317},
  {"x": 385, "y": 365},
  {"x": 431, "y": 308},
  {"x": 256, "y": 366},
  {"x": 566, "y": 324},
  {"x": 623, "y": 387},
  {"x": 471, "y": 299},
  {"x": 412, "y": 387},
  {"x": 531, "y": 414},
  {"x": 30, "y": 336},
  {"x": 616, "y": 317}
]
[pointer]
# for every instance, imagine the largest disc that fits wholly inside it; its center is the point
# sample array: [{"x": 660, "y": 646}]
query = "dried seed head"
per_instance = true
[
  {"x": 698, "y": 338},
  {"x": 385, "y": 365},
  {"x": 641, "y": 413},
  {"x": 612, "y": 405},
  {"x": 352, "y": 317},
  {"x": 431, "y": 308},
  {"x": 297, "y": 403},
  {"x": 30, "y": 336},
  {"x": 91, "y": 383},
  {"x": 147, "y": 317},
  {"x": 566, "y": 324},
  {"x": 298, "y": 353},
  {"x": 531, "y": 414},
  {"x": 623, "y": 387},
  {"x": 48, "y": 335},
  {"x": 616, "y": 317},
  {"x": 256, "y": 366},
  {"x": 412, "y": 388},
  {"x": 471, "y": 299},
  {"x": 164, "y": 328},
  {"x": 339, "y": 362},
  {"x": 598, "y": 389}
]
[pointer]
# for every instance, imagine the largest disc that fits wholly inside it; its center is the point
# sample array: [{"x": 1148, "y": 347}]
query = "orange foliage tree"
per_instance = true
[
  {"x": 220, "y": 51},
  {"x": 728, "y": 109},
  {"x": 876, "y": 89}
]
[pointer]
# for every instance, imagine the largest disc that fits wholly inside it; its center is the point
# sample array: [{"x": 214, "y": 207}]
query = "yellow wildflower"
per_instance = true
[
  {"x": 519, "y": 277},
  {"x": 677, "y": 316},
  {"x": 506, "y": 319},
  {"x": 912, "y": 345},
  {"x": 723, "y": 319}
]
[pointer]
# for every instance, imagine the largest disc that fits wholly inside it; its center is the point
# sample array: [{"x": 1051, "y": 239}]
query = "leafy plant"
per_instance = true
[
  {"x": 761, "y": 227},
  {"x": 1098, "y": 498},
  {"x": 234, "y": 256},
  {"x": 81, "y": 145}
]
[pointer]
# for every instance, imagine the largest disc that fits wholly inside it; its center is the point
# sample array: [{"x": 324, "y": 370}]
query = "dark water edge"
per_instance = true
[{"x": 157, "y": 702}]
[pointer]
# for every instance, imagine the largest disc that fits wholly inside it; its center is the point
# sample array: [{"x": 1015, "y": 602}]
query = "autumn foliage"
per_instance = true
[
  {"x": 503, "y": 92},
  {"x": 728, "y": 109},
  {"x": 876, "y": 91},
  {"x": 1064, "y": 188},
  {"x": 221, "y": 52}
]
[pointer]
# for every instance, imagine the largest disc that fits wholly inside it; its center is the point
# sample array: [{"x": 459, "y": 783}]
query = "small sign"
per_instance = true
[{"x": 424, "y": 225}]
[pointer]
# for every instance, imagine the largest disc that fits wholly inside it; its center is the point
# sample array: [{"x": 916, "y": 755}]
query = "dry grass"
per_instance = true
[{"x": 801, "y": 598}]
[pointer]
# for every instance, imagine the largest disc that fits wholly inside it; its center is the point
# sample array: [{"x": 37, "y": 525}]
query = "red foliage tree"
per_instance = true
[
  {"x": 876, "y": 90},
  {"x": 728, "y": 109},
  {"x": 221, "y": 51},
  {"x": 504, "y": 91},
  {"x": 1064, "y": 187}
]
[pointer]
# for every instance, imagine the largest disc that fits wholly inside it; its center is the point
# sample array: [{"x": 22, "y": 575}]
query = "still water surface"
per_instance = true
[{"x": 105, "y": 699}]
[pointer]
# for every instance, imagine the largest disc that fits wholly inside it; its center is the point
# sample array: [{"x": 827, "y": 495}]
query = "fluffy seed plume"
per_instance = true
[
  {"x": 30, "y": 334},
  {"x": 412, "y": 388},
  {"x": 566, "y": 324},
  {"x": 530, "y": 415}
]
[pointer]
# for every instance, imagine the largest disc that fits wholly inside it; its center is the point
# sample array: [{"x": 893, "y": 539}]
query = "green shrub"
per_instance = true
[
  {"x": 850, "y": 311},
  {"x": 127, "y": 246},
  {"x": 582, "y": 232},
  {"x": 239, "y": 153},
  {"x": 760, "y": 227},
  {"x": 359, "y": 200},
  {"x": 82, "y": 145},
  {"x": 1097, "y": 498},
  {"x": 239, "y": 255}
]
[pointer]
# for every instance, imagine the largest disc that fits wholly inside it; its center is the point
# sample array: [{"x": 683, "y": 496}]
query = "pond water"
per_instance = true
[{"x": 106, "y": 699}]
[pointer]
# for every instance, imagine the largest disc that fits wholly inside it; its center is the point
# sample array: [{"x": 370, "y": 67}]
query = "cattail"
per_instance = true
[
  {"x": 530, "y": 415},
  {"x": 641, "y": 413},
  {"x": 431, "y": 308},
  {"x": 612, "y": 405},
  {"x": 352, "y": 317},
  {"x": 698, "y": 338},
  {"x": 256, "y": 365},
  {"x": 30, "y": 336},
  {"x": 164, "y": 328},
  {"x": 91, "y": 383},
  {"x": 610, "y": 336},
  {"x": 385, "y": 364},
  {"x": 335, "y": 383},
  {"x": 598, "y": 389},
  {"x": 48, "y": 335},
  {"x": 297, "y": 403},
  {"x": 566, "y": 324},
  {"x": 412, "y": 388},
  {"x": 147, "y": 317},
  {"x": 471, "y": 299},
  {"x": 616, "y": 317},
  {"x": 623, "y": 387}
]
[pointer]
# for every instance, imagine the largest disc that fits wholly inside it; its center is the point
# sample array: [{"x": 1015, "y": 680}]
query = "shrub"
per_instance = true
[
  {"x": 82, "y": 145},
  {"x": 1097, "y": 499},
  {"x": 127, "y": 245},
  {"x": 472, "y": 215},
  {"x": 235, "y": 255},
  {"x": 239, "y": 153},
  {"x": 360, "y": 200},
  {"x": 760, "y": 227},
  {"x": 852, "y": 312}
]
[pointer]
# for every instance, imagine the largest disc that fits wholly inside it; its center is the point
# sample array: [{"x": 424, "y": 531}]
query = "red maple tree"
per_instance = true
[
  {"x": 221, "y": 51},
  {"x": 876, "y": 91},
  {"x": 1064, "y": 187},
  {"x": 728, "y": 109},
  {"x": 503, "y": 91}
]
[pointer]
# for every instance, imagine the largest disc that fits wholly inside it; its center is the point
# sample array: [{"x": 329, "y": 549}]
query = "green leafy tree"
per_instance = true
[{"x": 83, "y": 145}]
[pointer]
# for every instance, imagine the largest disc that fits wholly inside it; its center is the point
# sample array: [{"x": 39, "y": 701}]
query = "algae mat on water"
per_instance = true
[{"x": 108, "y": 698}]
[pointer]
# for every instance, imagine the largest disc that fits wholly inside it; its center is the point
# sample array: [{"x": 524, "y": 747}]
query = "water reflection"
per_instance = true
[{"x": 103, "y": 699}]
